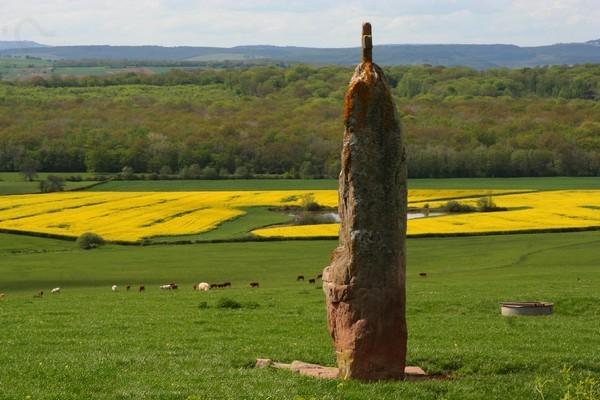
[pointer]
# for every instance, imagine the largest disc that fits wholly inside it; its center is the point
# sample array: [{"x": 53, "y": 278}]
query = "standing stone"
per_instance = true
[{"x": 364, "y": 284}]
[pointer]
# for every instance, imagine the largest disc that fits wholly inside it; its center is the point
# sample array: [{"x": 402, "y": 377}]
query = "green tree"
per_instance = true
[
  {"x": 29, "y": 168},
  {"x": 210, "y": 173},
  {"x": 89, "y": 240},
  {"x": 127, "y": 173},
  {"x": 52, "y": 183},
  {"x": 165, "y": 172},
  {"x": 193, "y": 172},
  {"x": 307, "y": 170},
  {"x": 242, "y": 172}
]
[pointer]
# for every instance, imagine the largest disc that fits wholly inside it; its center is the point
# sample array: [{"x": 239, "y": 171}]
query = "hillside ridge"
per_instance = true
[{"x": 479, "y": 56}]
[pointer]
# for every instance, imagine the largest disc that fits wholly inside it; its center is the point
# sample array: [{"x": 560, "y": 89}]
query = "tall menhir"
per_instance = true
[{"x": 364, "y": 284}]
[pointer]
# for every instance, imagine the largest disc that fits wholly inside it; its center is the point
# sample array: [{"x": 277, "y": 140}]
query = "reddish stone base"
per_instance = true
[{"x": 319, "y": 371}]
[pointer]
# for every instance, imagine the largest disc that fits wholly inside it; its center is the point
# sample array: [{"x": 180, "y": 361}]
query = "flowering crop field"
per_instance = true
[
  {"x": 543, "y": 211},
  {"x": 133, "y": 216}
]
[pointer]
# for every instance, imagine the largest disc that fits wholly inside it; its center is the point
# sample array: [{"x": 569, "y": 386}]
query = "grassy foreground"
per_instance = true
[{"x": 88, "y": 342}]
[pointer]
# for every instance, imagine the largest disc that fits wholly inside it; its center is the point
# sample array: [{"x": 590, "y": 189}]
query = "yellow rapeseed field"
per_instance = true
[
  {"x": 133, "y": 216},
  {"x": 526, "y": 211}
]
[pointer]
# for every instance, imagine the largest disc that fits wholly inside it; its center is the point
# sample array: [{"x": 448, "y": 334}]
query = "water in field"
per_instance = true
[
  {"x": 415, "y": 215},
  {"x": 331, "y": 217}
]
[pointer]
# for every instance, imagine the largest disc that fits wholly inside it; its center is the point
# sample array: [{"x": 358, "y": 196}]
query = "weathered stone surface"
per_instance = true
[
  {"x": 318, "y": 371},
  {"x": 415, "y": 374},
  {"x": 263, "y": 363},
  {"x": 364, "y": 284}
]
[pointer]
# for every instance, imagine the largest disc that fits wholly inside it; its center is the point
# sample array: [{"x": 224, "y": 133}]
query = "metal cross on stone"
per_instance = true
[
  {"x": 365, "y": 283},
  {"x": 367, "y": 43}
]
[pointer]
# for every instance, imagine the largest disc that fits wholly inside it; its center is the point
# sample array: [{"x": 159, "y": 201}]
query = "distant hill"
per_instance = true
[
  {"x": 20, "y": 44},
  {"x": 471, "y": 55}
]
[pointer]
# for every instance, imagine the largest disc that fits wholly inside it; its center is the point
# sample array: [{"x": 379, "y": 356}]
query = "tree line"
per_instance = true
[{"x": 287, "y": 121}]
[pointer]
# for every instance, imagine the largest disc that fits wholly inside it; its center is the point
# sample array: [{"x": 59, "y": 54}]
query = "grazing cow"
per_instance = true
[
  {"x": 422, "y": 273},
  {"x": 141, "y": 289},
  {"x": 227, "y": 284},
  {"x": 55, "y": 290},
  {"x": 254, "y": 284},
  {"x": 320, "y": 276},
  {"x": 300, "y": 278},
  {"x": 312, "y": 280},
  {"x": 166, "y": 287},
  {"x": 203, "y": 287},
  {"x": 40, "y": 294},
  {"x": 128, "y": 287},
  {"x": 113, "y": 288}
]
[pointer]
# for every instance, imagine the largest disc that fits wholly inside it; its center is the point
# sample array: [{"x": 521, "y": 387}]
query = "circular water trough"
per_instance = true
[{"x": 526, "y": 308}]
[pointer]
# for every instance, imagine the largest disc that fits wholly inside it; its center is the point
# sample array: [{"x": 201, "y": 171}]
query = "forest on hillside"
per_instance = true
[{"x": 287, "y": 121}]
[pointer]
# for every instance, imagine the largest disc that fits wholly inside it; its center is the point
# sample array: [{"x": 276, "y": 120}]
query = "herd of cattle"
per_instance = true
[{"x": 202, "y": 286}]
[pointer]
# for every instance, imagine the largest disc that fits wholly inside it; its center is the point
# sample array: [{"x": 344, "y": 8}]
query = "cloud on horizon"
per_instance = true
[{"x": 298, "y": 23}]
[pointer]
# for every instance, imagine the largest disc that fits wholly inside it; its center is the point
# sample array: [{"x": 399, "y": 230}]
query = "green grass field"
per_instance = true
[
  {"x": 14, "y": 68},
  {"x": 82, "y": 71},
  {"x": 88, "y": 342},
  {"x": 224, "y": 184},
  {"x": 13, "y": 182},
  {"x": 549, "y": 183},
  {"x": 234, "y": 229}
]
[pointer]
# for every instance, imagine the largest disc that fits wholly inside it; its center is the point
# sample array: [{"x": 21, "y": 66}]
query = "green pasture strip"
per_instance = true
[
  {"x": 17, "y": 62},
  {"x": 13, "y": 187},
  {"x": 13, "y": 182},
  {"x": 549, "y": 183},
  {"x": 21, "y": 244},
  {"x": 216, "y": 185},
  {"x": 18, "y": 177},
  {"x": 82, "y": 71},
  {"x": 89, "y": 342},
  {"x": 236, "y": 228},
  {"x": 12, "y": 68}
]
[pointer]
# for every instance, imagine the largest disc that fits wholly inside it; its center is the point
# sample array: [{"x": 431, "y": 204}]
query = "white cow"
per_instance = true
[
  {"x": 203, "y": 287},
  {"x": 55, "y": 290},
  {"x": 114, "y": 288},
  {"x": 166, "y": 287}
]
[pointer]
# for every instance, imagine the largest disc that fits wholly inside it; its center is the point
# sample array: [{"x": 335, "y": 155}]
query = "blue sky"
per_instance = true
[{"x": 298, "y": 23}]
